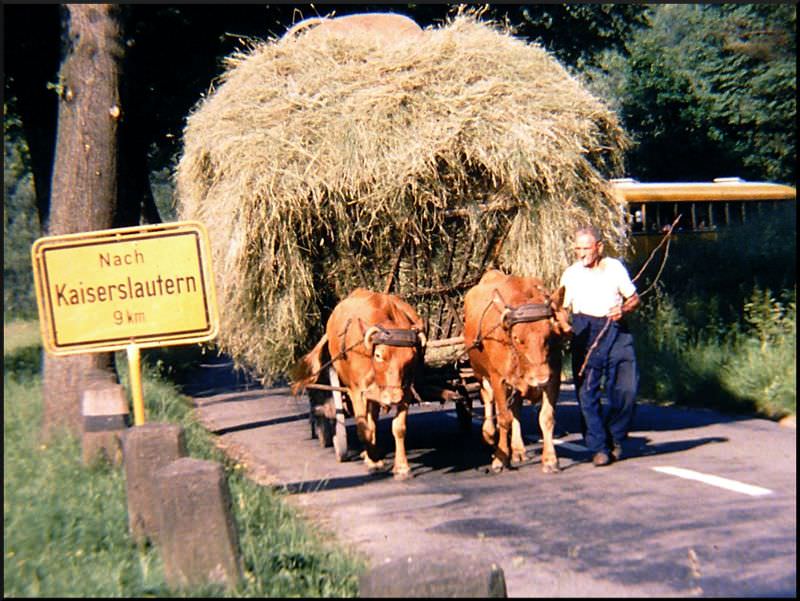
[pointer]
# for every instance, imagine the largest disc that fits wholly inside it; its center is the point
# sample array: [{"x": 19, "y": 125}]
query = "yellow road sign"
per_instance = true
[{"x": 105, "y": 290}]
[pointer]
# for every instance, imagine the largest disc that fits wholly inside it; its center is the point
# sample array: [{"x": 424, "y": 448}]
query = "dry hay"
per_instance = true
[{"x": 319, "y": 156}]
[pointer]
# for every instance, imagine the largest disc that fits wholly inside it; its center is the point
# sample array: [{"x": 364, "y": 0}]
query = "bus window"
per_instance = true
[
  {"x": 637, "y": 215},
  {"x": 665, "y": 214},
  {"x": 703, "y": 217},
  {"x": 686, "y": 219},
  {"x": 734, "y": 212},
  {"x": 719, "y": 213}
]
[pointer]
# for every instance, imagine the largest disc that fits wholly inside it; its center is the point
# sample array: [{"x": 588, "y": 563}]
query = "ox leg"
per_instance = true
[
  {"x": 401, "y": 468},
  {"x": 366, "y": 414},
  {"x": 547, "y": 422},
  {"x": 518, "y": 454},
  {"x": 371, "y": 459},
  {"x": 487, "y": 398},
  {"x": 501, "y": 456}
]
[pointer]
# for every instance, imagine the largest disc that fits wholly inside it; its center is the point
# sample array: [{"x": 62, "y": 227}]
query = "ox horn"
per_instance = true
[
  {"x": 368, "y": 338},
  {"x": 504, "y": 317},
  {"x": 423, "y": 339}
]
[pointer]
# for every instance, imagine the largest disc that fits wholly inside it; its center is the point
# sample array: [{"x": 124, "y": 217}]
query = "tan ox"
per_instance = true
[
  {"x": 512, "y": 330},
  {"x": 376, "y": 343}
]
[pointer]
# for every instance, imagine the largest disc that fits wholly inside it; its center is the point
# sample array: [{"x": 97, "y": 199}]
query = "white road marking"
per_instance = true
[
  {"x": 747, "y": 489},
  {"x": 570, "y": 446}
]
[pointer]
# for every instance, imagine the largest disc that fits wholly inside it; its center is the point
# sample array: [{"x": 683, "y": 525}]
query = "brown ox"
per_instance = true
[
  {"x": 376, "y": 343},
  {"x": 512, "y": 330}
]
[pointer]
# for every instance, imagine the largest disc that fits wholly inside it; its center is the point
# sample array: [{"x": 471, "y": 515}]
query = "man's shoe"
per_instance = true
[
  {"x": 616, "y": 452},
  {"x": 601, "y": 459}
]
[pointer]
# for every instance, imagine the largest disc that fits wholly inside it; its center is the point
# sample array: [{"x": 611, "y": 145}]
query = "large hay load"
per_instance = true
[{"x": 335, "y": 158}]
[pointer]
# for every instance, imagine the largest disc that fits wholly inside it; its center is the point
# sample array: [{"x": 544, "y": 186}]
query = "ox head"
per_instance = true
[
  {"x": 534, "y": 330},
  {"x": 395, "y": 355}
]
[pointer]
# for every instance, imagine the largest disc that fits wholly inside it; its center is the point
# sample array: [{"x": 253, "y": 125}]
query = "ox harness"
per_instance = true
[
  {"x": 389, "y": 336},
  {"x": 526, "y": 313},
  {"x": 395, "y": 337}
]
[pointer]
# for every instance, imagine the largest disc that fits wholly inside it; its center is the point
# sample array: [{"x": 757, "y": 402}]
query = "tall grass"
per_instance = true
[
  {"x": 748, "y": 365},
  {"x": 65, "y": 525}
]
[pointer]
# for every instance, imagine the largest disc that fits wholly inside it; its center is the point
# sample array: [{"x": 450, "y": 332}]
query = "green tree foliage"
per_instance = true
[
  {"x": 20, "y": 223},
  {"x": 710, "y": 91},
  {"x": 576, "y": 33}
]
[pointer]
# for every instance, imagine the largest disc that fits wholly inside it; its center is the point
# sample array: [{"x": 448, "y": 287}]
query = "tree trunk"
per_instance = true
[{"x": 84, "y": 176}]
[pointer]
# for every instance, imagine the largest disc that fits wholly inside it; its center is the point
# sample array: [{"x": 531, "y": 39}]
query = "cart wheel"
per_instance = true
[
  {"x": 464, "y": 413},
  {"x": 324, "y": 425},
  {"x": 313, "y": 420},
  {"x": 338, "y": 425},
  {"x": 319, "y": 407}
]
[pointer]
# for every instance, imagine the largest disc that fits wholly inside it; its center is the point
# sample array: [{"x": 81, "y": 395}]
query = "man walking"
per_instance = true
[{"x": 599, "y": 292}]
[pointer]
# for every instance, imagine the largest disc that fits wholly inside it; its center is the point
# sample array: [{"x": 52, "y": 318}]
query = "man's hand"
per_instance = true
[{"x": 627, "y": 306}]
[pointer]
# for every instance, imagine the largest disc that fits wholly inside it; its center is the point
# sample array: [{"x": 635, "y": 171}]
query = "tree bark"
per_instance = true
[{"x": 84, "y": 184}]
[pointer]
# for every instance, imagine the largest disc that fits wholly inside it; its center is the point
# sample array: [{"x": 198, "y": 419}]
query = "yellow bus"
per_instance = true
[{"x": 704, "y": 207}]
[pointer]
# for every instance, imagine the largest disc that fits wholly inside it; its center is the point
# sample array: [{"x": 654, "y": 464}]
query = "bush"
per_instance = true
[{"x": 748, "y": 365}]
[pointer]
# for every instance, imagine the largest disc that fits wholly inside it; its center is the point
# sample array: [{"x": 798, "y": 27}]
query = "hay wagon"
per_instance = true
[{"x": 393, "y": 159}]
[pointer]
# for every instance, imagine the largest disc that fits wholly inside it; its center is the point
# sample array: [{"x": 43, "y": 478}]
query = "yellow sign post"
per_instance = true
[{"x": 126, "y": 288}]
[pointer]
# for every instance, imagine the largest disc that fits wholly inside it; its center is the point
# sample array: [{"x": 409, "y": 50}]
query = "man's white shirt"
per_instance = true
[{"x": 596, "y": 291}]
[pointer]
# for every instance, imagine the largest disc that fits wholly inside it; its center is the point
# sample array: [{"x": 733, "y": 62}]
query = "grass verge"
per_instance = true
[
  {"x": 748, "y": 366},
  {"x": 65, "y": 525}
]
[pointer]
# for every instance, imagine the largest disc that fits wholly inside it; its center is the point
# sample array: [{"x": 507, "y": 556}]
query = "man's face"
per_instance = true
[{"x": 588, "y": 249}]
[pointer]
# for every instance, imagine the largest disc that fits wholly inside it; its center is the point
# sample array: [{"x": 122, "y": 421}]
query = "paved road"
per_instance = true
[{"x": 704, "y": 505}]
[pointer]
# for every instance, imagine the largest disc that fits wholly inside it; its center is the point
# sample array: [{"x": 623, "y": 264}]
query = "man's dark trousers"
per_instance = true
[{"x": 614, "y": 358}]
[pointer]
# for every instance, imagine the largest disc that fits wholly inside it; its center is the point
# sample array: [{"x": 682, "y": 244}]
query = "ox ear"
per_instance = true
[
  {"x": 560, "y": 314},
  {"x": 558, "y": 298},
  {"x": 500, "y": 304},
  {"x": 423, "y": 339},
  {"x": 368, "y": 336},
  {"x": 498, "y": 300},
  {"x": 363, "y": 330}
]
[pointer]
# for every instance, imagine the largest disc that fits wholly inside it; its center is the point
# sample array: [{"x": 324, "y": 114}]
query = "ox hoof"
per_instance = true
[
  {"x": 373, "y": 466},
  {"x": 497, "y": 466},
  {"x": 376, "y": 467},
  {"x": 550, "y": 468},
  {"x": 402, "y": 474},
  {"x": 519, "y": 459}
]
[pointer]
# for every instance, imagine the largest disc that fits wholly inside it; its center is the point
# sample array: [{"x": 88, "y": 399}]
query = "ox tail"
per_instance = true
[{"x": 306, "y": 370}]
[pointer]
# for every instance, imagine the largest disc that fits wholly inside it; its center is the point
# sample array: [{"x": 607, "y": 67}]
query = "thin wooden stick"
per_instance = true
[{"x": 606, "y": 325}]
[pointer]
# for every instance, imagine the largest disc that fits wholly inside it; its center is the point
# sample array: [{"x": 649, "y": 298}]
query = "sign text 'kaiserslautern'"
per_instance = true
[{"x": 146, "y": 285}]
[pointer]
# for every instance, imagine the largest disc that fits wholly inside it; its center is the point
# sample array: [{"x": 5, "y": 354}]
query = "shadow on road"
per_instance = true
[
  {"x": 435, "y": 440},
  {"x": 261, "y": 423},
  {"x": 217, "y": 375},
  {"x": 436, "y": 443}
]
